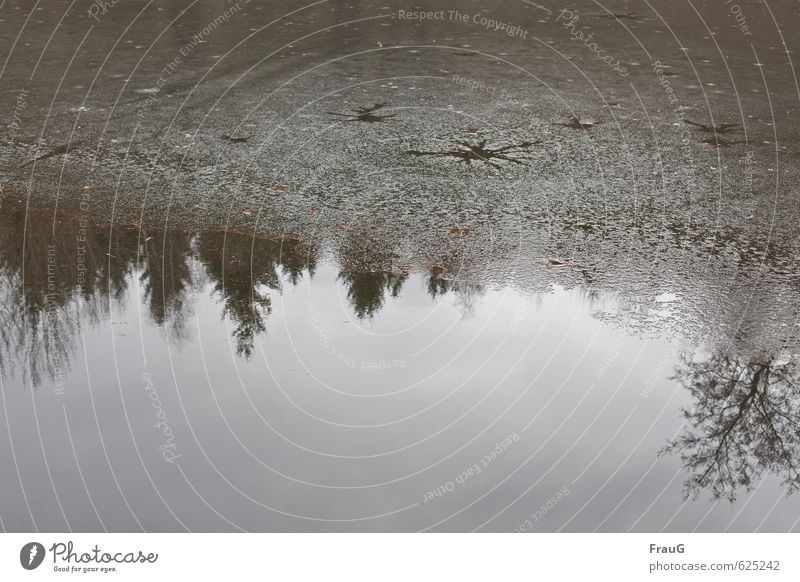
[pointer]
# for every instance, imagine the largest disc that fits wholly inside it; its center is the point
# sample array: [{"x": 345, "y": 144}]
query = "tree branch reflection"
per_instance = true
[{"x": 745, "y": 421}]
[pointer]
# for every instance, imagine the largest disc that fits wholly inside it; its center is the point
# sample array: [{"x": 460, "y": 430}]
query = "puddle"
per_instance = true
[
  {"x": 338, "y": 330},
  {"x": 292, "y": 382}
]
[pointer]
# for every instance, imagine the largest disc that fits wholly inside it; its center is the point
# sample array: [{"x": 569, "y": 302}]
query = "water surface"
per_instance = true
[{"x": 338, "y": 270}]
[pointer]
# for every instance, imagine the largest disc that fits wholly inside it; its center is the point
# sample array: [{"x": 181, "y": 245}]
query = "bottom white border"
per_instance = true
[{"x": 402, "y": 557}]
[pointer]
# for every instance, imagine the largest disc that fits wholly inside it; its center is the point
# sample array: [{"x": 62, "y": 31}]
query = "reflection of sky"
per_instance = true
[
  {"x": 300, "y": 430},
  {"x": 339, "y": 418}
]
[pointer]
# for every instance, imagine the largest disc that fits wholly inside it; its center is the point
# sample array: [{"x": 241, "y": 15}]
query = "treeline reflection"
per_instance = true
[{"x": 61, "y": 271}]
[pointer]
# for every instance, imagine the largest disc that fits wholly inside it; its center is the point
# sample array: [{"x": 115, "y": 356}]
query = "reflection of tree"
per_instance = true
[
  {"x": 746, "y": 420},
  {"x": 467, "y": 297},
  {"x": 438, "y": 282},
  {"x": 368, "y": 271},
  {"x": 36, "y": 334},
  {"x": 367, "y": 291},
  {"x": 55, "y": 272},
  {"x": 244, "y": 268},
  {"x": 60, "y": 271},
  {"x": 166, "y": 277},
  {"x": 448, "y": 275}
]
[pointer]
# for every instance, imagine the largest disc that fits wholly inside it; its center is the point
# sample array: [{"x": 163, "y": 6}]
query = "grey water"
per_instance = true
[{"x": 271, "y": 267}]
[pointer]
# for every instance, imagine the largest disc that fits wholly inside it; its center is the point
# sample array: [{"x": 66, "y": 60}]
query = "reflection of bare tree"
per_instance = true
[
  {"x": 449, "y": 274},
  {"x": 746, "y": 420},
  {"x": 467, "y": 294},
  {"x": 244, "y": 268},
  {"x": 38, "y": 338},
  {"x": 55, "y": 272},
  {"x": 438, "y": 281}
]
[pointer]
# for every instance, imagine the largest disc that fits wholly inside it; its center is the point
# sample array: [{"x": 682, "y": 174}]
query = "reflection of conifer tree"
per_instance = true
[
  {"x": 368, "y": 271},
  {"x": 745, "y": 421},
  {"x": 59, "y": 270},
  {"x": 166, "y": 277},
  {"x": 366, "y": 291},
  {"x": 110, "y": 258},
  {"x": 296, "y": 257},
  {"x": 244, "y": 268}
]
